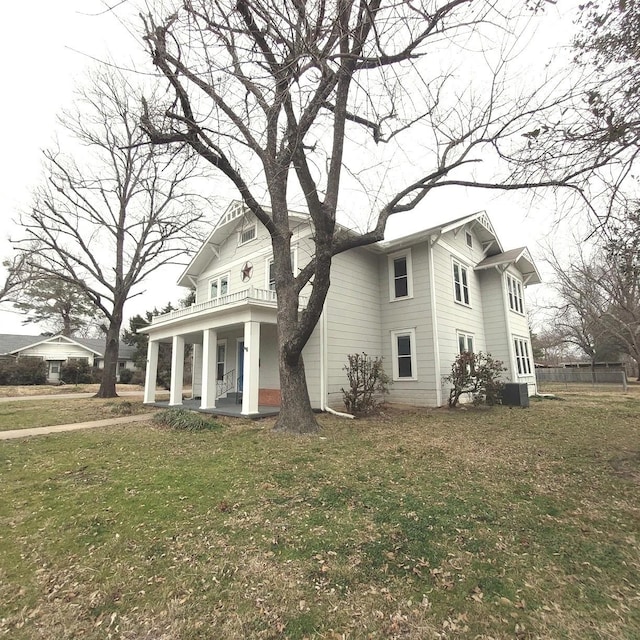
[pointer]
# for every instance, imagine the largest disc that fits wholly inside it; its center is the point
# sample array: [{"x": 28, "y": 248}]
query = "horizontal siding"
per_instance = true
[
  {"x": 411, "y": 313},
  {"x": 353, "y": 316},
  {"x": 452, "y": 316},
  {"x": 497, "y": 334},
  {"x": 232, "y": 256},
  {"x": 58, "y": 351}
]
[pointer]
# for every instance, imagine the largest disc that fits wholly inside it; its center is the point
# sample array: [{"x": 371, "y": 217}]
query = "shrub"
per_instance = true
[
  {"x": 121, "y": 408},
  {"x": 96, "y": 375},
  {"x": 7, "y": 369},
  {"x": 137, "y": 377},
  {"x": 25, "y": 370},
  {"x": 367, "y": 383},
  {"x": 478, "y": 374},
  {"x": 184, "y": 420},
  {"x": 75, "y": 372},
  {"x": 125, "y": 376}
]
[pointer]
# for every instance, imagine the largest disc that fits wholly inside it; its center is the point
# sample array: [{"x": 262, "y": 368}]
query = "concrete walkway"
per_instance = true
[
  {"x": 63, "y": 396},
  {"x": 76, "y": 426}
]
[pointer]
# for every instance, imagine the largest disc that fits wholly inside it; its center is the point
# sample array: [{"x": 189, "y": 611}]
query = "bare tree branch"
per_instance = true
[{"x": 104, "y": 221}]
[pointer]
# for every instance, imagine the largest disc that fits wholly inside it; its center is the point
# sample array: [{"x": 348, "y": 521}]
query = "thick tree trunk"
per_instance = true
[
  {"x": 108, "y": 385},
  {"x": 296, "y": 414}
]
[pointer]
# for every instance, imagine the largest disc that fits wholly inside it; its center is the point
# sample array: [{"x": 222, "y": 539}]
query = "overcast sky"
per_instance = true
[{"x": 47, "y": 46}]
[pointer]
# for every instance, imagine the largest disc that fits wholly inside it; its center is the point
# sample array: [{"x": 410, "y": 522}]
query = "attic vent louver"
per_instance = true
[{"x": 235, "y": 211}]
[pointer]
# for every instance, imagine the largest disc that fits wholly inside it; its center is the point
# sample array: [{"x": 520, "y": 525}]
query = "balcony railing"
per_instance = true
[{"x": 251, "y": 295}]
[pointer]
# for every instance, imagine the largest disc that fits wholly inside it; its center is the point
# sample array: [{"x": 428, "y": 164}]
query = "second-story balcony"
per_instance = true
[{"x": 250, "y": 296}]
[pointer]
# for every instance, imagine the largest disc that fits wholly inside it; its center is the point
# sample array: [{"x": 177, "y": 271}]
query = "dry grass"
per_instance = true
[
  {"x": 479, "y": 524},
  {"x": 47, "y": 389},
  {"x": 24, "y": 414}
]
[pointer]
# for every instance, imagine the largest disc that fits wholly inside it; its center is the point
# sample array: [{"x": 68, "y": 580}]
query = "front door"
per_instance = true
[
  {"x": 54, "y": 371},
  {"x": 240, "y": 367}
]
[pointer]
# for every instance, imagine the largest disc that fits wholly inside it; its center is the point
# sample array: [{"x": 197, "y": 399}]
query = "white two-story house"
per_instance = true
[{"x": 417, "y": 301}]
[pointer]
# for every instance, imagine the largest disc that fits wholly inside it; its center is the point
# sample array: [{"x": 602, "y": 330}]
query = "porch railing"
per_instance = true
[{"x": 252, "y": 294}]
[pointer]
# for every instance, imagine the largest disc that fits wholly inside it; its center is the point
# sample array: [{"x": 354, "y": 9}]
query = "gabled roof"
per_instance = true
[
  {"x": 479, "y": 221},
  {"x": 221, "y": 231},
  {"x": 11, "y": 344},
  {"x": 520, "y": 257}
]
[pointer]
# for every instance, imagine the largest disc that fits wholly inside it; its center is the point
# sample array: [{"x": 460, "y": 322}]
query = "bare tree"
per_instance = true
[
  {"x": 113, "y": 212},
  {"x": 599, "y": 300},
  {"x": 15, "y": 272},
  {"x": 595, "y": 128},
  {"x": 314, "y": 96}
]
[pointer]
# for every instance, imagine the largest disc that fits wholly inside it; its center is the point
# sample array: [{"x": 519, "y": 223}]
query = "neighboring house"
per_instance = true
[
  {"x": 417, "y": 301},
  {"x": 56, "y": 350}
]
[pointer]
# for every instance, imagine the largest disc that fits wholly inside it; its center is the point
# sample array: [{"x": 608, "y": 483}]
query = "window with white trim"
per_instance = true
[
  {"x": 523, "y": 361},
  {"x": 465, "y": 342},
  {"x": 403, "y": 348},
  {"x": 400, "y": 276},
  {"x": 516, "y": 297},
  {"x": 469, "y": 239},
  {"x": 221, "y": 355},
  {"x": 460, "y": 283},
  {"x": 248, "y": 234},
  {"x": 218, "y": 286},
  {"x": 271, "y": 274}
]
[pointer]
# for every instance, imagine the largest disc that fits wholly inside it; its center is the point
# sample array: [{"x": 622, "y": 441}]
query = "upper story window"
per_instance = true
[
  {"x": 523, "y": 361},
  {"x": 271, "y": 274},
  {"x": 248, "y": 234},
  {"x": 516, "y": 298},
  {"x": 469, "y": 238},
  {"x": 403, "y": 348},
  {"x": 219, "y": 286},
  {"x": 460, "y": 283},
  {"x": 400, "y": 276}
]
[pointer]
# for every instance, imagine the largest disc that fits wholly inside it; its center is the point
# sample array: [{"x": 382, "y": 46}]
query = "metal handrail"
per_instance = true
[{"x": 225, "y": 383}]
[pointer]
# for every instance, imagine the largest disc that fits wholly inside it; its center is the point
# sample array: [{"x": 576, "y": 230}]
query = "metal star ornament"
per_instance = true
[{"x": 246, "y": 271}]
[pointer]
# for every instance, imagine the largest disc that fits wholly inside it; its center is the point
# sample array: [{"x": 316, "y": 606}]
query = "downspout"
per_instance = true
[
  {"x": 323, "y": 359},
  {"x": 434, "y": 321}
]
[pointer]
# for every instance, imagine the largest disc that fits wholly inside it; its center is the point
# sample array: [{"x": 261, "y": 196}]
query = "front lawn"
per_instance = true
[
  {"x": 10, "y": 391},
  {"x": 502, "y": 523},
  {"x": 24, "y": 414}
]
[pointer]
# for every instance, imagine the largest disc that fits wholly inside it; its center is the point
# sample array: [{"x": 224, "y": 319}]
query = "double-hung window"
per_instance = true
[
  {"x": 400, "y": 276},
  {"x": 403, "y": 348},
  {"x": 523, "y": 361},
  {"x": 514, "y": 290},
  {"x": 460, "y": 283},
  {"x": 465, "y": 342},
  {"x": 221, "y": 351},
  {"x": 218, "y": 286}
]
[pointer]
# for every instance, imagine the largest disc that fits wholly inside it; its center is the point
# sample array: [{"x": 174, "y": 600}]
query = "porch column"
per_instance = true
[
  {"x": 151, "y": 372},
  {"x": 209, "y": 368},
  {"x": 177, "y": 371},
  {"x": 251, "y": 371},
  {"x": 196, "y": 366}
]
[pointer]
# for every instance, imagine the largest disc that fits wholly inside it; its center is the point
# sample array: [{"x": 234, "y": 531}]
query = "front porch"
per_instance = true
[
  {"x": 224, "y": 407},
  {"x": 234, "y": 357}
]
